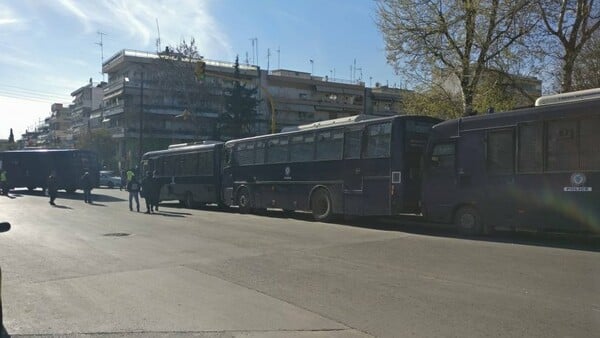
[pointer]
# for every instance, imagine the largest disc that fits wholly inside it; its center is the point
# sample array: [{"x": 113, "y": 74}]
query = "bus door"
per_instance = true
[
  {"x": 439, "y": 181},
  {"x": 470, "y": 170},
  {"x": 353, "y": 172}
]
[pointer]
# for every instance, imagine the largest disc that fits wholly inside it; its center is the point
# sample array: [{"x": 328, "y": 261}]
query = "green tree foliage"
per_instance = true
[
  {"x": 240, "y": 108},
  {"x": 432, "y": 102},
  {"x": 570, "y": 24},
  {"x": 432, "y": 41},
  {"x": 101, "y": 142}
]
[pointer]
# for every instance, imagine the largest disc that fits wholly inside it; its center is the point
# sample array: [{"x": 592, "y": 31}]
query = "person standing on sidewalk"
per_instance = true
[
  {"x": 147, "y": 194},
  {"x": 52, "y": 188},
  {"x": 3, "y": 182},
  {"x": 86, "y": 185},
  {"x": 134, "y": 189}
]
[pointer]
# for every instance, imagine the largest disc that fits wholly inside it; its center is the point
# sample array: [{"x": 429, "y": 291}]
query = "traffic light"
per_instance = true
[{"x": 200, "y": 70}]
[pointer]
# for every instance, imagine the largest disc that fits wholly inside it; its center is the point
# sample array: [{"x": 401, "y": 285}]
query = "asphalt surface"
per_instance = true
[{"x": 79, "y": 269}]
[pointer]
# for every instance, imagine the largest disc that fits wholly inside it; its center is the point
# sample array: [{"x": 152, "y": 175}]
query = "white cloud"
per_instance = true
[
  {"x": 15, "y": 61},
  {"x": 8, "y": 16},
  {"x": 178, "y": 19}
]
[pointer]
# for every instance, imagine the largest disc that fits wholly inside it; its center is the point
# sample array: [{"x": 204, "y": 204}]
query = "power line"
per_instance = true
[{"x": 22, "y": 89}]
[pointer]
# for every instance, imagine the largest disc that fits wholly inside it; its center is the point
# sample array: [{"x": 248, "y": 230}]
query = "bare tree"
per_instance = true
[
  {"x": 572, "y": 23},
  {"x": 586, "y": 71},
  {"x": 188, "y": 97},
  {"x": 433, "y": 40}
]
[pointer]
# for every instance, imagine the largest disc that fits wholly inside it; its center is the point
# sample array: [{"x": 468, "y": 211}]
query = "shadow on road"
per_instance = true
[
  {"x": 414, "y": 224},
  {"x": 61, "y": 207},
  {"x": 96, "y": 196}
]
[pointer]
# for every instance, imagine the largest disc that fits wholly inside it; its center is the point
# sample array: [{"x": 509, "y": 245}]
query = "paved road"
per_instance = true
[{"x": 210, "y": 273}]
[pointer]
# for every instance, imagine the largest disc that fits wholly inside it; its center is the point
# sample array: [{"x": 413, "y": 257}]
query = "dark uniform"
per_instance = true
[{"x": 52, "y": 188}]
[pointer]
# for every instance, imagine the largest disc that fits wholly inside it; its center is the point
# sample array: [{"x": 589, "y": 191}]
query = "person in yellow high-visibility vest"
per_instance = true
[{"x": 3, "y": 182}]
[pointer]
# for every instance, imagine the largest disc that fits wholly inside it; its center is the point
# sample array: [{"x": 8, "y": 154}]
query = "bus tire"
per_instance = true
[
  {"x": 31, "y": 188},
  {"x": 243, "y": 200},
  {"x": 468, "y": 221},
  {"x": 70, "y": 190},
  {"x": 189, "y": 200},
  {"x": 110, "y": 185},
  {"x": 321, "y": 206}
]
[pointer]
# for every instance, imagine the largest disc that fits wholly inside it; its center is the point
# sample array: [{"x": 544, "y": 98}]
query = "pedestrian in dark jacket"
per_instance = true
[
  {"x": 86, "y": 185},
  {"x": 156, "y": 186},
  {"x": 147, "y": 194},
  {"x": 134, "y": 188},
  {"x": 3, "y": 182},
  {"x": 52, "y": 187}
]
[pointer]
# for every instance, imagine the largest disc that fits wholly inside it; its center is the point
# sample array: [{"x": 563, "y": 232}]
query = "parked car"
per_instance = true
[{"x": 108, "y": 179}]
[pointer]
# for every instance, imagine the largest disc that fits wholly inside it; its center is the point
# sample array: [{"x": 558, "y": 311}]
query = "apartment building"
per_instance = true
[
  {"x": 86, "y": 100},
  {"x": 152, "y": 100}
]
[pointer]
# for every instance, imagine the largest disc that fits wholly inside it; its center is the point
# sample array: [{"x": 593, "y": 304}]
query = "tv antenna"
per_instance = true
[
  {"x": 158, "y": 48},
  {"x": 101, "y": 44}
]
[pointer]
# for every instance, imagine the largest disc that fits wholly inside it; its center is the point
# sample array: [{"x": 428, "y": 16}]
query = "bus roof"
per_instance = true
[
  {"x": 182, "y": 149},
  {"x": 325, "y": 126},
  {"x": 580, "y": 95},
  {"x": 40, "y": 150},
  {"x": 330, "y": 123},
  {"x": 510, "y": 118}
]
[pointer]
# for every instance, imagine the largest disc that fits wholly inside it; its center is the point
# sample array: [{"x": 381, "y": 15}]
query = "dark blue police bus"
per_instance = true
[
  {"x": 531, "y": 168},
  {"x": 352, "y": 166},
  {"x": 189, "y": 172},
  {"x": 30, "y": 168}
]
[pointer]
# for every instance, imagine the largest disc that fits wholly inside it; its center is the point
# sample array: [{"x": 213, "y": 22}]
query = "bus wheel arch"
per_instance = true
[
  {"x": 321, "y": 204},
  {"x": 468, "y": 221},
  {"x": 242, "y": 199}
]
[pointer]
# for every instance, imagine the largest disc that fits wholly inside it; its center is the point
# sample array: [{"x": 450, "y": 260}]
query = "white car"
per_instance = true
[{"x": 108, "y": 179}]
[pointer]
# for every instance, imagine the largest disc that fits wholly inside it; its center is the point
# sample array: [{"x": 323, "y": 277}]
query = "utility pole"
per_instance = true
[
  {"x": 268, "y": 58},
  {"x": 141, "y": 137}
]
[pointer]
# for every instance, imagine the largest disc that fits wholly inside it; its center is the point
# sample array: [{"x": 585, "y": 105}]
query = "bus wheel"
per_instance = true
[
  {"x": 189, "y": 200},
  {"x": 243, "y": 200},
  {"x": 320, "y": 204},
  {"x": 468, "y": 221},
  {"x": 31, "y": 188},
  {"x": 70, "y": 190},
  {"x": 110, "y": 185}
]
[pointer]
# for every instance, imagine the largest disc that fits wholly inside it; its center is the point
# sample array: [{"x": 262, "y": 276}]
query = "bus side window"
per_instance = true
[
  {"x": 259, "y": 153},
  {"x": 589, "y": 143},
  {"x": 330, "y": 145},
  {"x": 500, "y": 152},
  {"x": 352, "y": 143},
  {"x": 378, "y": 140},
  {"x": 302, "y": 147},
  {"x": 443, "y": 156},
  {"x": 530, "y": 147}
]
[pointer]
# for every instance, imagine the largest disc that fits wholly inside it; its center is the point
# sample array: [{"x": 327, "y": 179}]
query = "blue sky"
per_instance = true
[{"x": 49, "y": 46}]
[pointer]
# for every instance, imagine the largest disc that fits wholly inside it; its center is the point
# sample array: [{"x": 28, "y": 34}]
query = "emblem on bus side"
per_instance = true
[
  {"x": 287, "y": 173},
  {"x": 577, "y": 182}
]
